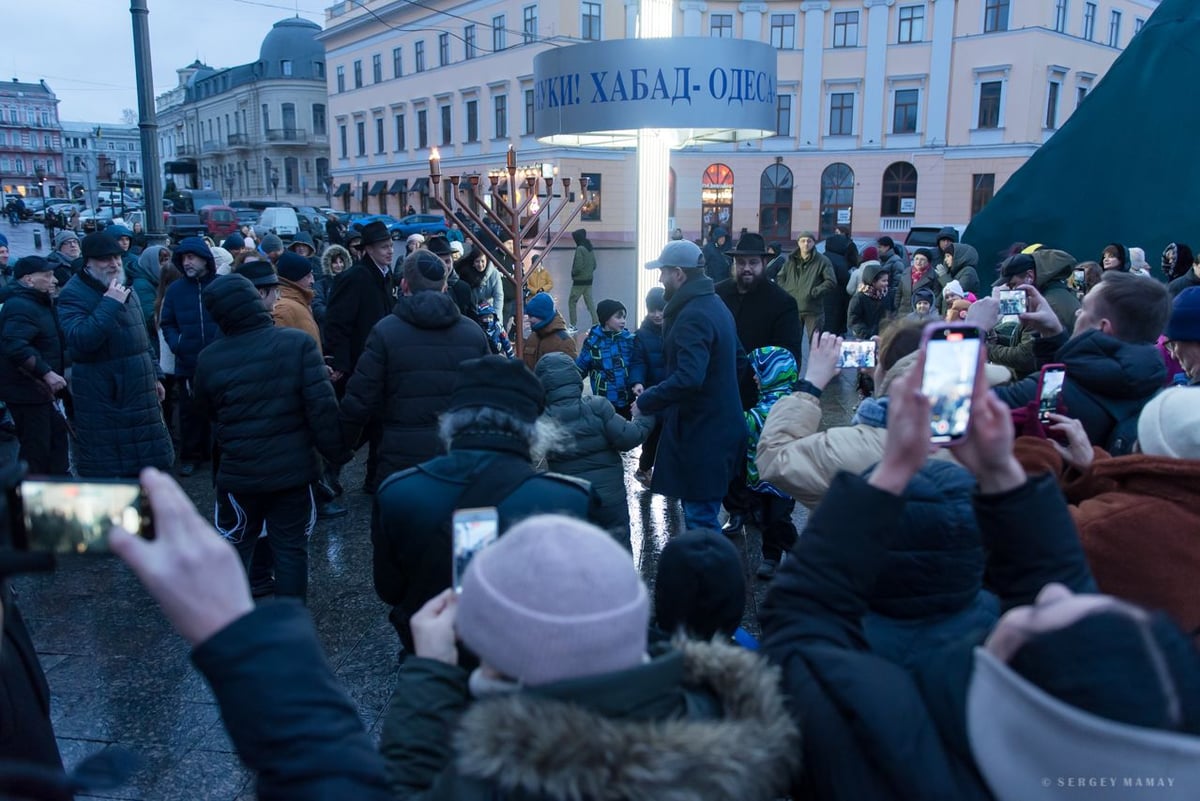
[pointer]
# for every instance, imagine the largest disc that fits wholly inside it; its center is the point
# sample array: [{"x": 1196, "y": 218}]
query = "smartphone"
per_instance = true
[
  {"x": 1012, "y": 301},
  {"x": 474, "y": 530},
  {"x": 63, "y": 515},
  {"x": 857, "y": 354},
  {"x": 951, "y": 370},
  {"x": 1050, "y": 387}
]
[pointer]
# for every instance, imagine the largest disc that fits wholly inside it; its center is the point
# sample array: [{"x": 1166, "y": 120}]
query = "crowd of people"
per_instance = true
[{"x": 997, "y": 620}]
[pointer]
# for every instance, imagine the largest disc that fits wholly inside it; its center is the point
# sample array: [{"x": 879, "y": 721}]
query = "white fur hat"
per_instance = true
[{"x": 1169, "y": 424}]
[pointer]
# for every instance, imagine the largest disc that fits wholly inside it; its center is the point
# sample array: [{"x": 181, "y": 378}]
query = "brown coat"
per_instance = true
[
  {"x": 294, "y": 309},
  {"x": 1138, "y": 518},
  {"x": 553, "y": 338}
]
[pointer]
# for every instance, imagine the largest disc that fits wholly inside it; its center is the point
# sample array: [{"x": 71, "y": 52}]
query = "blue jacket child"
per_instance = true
[
  {"x": 776, "y": 374},
  {"x": 497, "y": 337},
  {"x": 607, "y": 356}
]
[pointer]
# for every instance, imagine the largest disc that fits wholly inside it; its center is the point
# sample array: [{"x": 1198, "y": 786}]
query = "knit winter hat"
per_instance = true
[
  {"x": 119, "y": 231},
  {"x": 423, "y": 271},
  {"x": 656, "y": 299},
  {"x": 700, "y": 586},
  {"x": 1184, "y": 325},
  {"x": 223, "y": 259},
  {"x": 234, "y": 241},
  {"x": 541, "y": 306},
  {"x": 271, "y": 243},
  {"x": 498, "y": 383},
  {"x": 293, "y": 266},
  {"x": 605, "y": 309},
  {"x": 63, "y": 237},
  {"x": 954, "y": 287},
  {"x": 870, "y": 253},
  {"x": 554, "y": 599},
  {"x": 3, "y": 241},
  {"x": 1169, "y": 424}
]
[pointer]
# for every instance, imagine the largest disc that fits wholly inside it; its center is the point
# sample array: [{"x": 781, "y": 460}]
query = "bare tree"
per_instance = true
[{"x": 128, "y": 116}]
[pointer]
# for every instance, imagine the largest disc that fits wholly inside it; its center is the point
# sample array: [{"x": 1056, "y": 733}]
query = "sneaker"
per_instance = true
[
  {"x": 331, "y": 510},
  {"x": 766, "y": 570},
  {"x": 643, "y": 477},
  {"x": 572, "y": 330},
  {"x": 733, "y": 526}
]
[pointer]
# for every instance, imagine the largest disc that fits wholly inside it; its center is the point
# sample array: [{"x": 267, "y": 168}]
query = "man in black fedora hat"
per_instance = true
[{"x": 361, "y": 297}]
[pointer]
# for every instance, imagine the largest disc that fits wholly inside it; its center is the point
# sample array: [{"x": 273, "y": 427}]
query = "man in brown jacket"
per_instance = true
[
  {"x": 294, "y": 308},
  {"x": 548, "y": 331},
  {"x": 807, "y": 275}
]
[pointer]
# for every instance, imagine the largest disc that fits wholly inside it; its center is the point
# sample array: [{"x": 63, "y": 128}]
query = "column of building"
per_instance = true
[
  {"x": 752, "y": 20},
  {"x": 876, "y": 72},
  {"x": 693, "y": 16},
  {"x": 938, "y": 102},
  {"x": 811, "y": 93}
]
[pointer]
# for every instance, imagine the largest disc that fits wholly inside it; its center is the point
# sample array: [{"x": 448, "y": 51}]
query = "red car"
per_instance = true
[{"x": 221, "y": 221}]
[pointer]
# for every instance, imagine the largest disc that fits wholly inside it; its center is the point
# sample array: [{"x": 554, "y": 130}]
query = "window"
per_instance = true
[
  {"x": 46, "y": 123},
  {"x": 720, "y": 26},
  {"x": 899, "y": 190},
  {"x": 376, "y": 68},
  {"x": 419, "y": 56},
  {"x": 500, "y": 106},
  {"x": 447, "y": 130},
  {"x": 472, "y": 120},
  {"x": 1138, "y": 22},
  {"x": 318, "y": 118},
  {"x": 397, "y": 63},
  {"x": 342, "y": 140},
  {"x": 904, "y": 111},
  {"x": 590, "y": 186},
  {"x": 1052, "y": 105},
  {"x": 841, "y": 114},
  {"x": 469, "y": 48},
  {"x": 989, "y": 103},
  {"x": 912, "y": 24},
  {"x": 775, "y": 202},
  {"x": 528, "y": 112},
  {"x": 783, "y": 115},
  {"x": 983, "y": 186},
  {"x": 443, "y": 49},
  {"x": 358, "y": 74},
  {"x": 845, "y": 29},
  {"x": 1089, "y": 21},
  {"x": 589, "y": 26},
  {"x": 285, "y": 67},
  {"x": 1060, "y": 16},
  {"x": 341, "y": 78},
  {"x": 1114, "y": 29},
  {"x": 1080, "y": 93},
  {"x": 995, "y": 16},
  {"x": 361, "y": 129},
  {"x": 266, "y": 118},
  {"x": 529, "y": 24},
  {"x": 716, "y": 198},
  {"x": 380, "y": 147},
  {"x": 783, "y": 31},
  {"x": 401, "y": 144},
  {"x": 4, "y": 164},
  {"x": 498, "y": 33},
  {"x": 19, "y": 165},
  {"x": 422, "y": 129},
  {"x": 319, "y": 66}
]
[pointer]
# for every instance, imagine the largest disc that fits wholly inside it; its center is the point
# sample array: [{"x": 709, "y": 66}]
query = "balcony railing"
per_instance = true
[
  {"x": 296, "y": 136},
  {"x": 895, "y": 225},
  {"x": 239, "y": 140},
  {"x": 187, "y": 151},
  {"x": 211, "y": 147}
]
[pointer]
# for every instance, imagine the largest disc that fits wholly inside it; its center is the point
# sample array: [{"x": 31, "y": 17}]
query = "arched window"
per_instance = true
[
  {"x": 775, "y": 203},
  {"x": 837, "y": 198},
  {"x": 716, "y": 199},
  {"x": 899, "y": 190}
]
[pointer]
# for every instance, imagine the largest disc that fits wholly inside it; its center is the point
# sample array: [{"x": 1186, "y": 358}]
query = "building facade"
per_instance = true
[
  {"x": 255, "y": 131},
  {"x": 101, "y": 157},
  {"x": 889, "y": 112},
  {"x": 31, "y": 159}
]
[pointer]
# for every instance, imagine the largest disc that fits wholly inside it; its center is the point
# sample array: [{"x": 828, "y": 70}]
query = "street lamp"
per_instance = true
[
  {"x": 275, "y": 181},
  {"x": 121, "y": 176},
  {"x": 39, "y": 172}
]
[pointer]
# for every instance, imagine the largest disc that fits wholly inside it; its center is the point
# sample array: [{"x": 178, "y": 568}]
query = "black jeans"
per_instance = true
[
  {"x": 42, "y": 433},
  {"x": 195, "y": 432},
  {"x": 289, "y": 516}
]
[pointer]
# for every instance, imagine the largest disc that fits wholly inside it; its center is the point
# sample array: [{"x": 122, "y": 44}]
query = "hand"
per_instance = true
[
  {"x": 55, "y": 381},
  {"x": 942, "y": 270},
  {"x": 117, "y": 292},
  {"x": 987, "y": 450},
  {"x": 907, "y": 444},
  {"x": 1078, "y": 451},
  {"x": 336, "y": 375},
  {"x": 822, "y": 359},
  {"x": 196, "y": 577},
  {"x": 638, "y": 389},
  {"x": 433, "y": 628},
  {"x": 329, "y": 372},
  {"x": 1039, "y": 316},
  {"x": 634, "y": 411},
  {"x": 984, "y": 313},
  {"x": 160, "y": 391}
]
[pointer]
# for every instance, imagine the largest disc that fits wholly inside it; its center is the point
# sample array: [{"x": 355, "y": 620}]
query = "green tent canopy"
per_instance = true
[{"x": 1121, "y": 169}]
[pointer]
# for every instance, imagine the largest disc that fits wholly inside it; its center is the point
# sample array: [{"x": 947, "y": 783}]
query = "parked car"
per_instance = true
[
  {"x": 403, "y": 228},
  {"x": 280, "y": 221},
  {"x": 98, "y": 219},
  {"x": 181, "y": 225},
  {"x": 220, "y": 221},
  {"x": 60, "y": 208}
]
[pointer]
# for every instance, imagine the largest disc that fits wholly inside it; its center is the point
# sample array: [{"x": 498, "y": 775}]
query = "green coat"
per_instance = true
[
  {"x": 584, "y": 266},
  {"x": 807, "y": 281}
]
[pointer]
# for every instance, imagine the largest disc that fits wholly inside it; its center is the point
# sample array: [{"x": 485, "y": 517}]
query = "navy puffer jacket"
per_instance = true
[
  {"x": 648, "y": 350},
  {"x": 186, "y": 325}
]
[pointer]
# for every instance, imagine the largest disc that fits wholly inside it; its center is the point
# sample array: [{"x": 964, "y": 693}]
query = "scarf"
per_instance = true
[
  {"x": 871, "y": 412},
  {"x": 873, "y": 292}
]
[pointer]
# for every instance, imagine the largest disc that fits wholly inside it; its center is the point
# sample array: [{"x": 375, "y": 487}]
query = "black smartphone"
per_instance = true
[
  {"x": 65, "y": 515},
  {"x": 1050, "y": 387},
  {"x": 857, "y": 354},
  {"x": 951, "y": 370},
  {"x": 1012, "y": 301}
]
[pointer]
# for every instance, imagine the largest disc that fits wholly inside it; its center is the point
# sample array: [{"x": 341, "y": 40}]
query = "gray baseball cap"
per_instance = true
[{"x": 680, "y": 253}]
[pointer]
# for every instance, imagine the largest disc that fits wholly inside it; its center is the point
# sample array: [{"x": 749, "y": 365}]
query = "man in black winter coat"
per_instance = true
[
  {"x": 843, "y": 255},
  {"x": 31, "y": 366},
  {"x": 456, "y": 288},
  {"x": 268, "y": 393}
]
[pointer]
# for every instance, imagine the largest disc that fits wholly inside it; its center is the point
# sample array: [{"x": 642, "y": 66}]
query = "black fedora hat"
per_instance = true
[
  {"x": 749, "y": 245},
  {"x": 375, "y": 231}
]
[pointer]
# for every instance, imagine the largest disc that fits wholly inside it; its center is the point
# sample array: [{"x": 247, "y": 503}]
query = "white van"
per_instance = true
[{"x": 280, "y": 221}]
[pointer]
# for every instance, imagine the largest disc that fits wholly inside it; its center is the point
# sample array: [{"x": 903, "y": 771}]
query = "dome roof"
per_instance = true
[{"x": 293, "y": 40}]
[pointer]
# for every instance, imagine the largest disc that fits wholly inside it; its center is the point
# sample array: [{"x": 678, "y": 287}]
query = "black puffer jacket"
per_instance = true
[
  {"x": 269, "y": 393},
  {"x": 118, "y": 422},
  {"x": 30, "y": 346},
  {"x": 406, "y": 374}
]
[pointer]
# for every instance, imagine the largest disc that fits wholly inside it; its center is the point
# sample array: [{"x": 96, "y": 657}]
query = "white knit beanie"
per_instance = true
[
  {"x": 1169, "y": 424},
  {"x": 954, "y": 287}
]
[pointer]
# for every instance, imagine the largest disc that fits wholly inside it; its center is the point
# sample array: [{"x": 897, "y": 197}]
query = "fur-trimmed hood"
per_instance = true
[{"x": 530, "y": 744}]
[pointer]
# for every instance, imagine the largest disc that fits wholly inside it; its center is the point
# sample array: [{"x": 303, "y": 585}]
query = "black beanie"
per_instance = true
[
  {"x": 607, "y": 308},
  {"x": 700, "y": 586},
  {"x": 1102, "y": 664},
  {"x": 293, "y": 266},
  {"x": 28, "y": 265},
  {"x": 499, "y": 383},
  {"x": 656, "y": 299}
]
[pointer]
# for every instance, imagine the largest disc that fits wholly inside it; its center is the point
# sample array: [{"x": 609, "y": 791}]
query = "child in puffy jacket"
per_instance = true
[
  {"x": 607, "y": 358},
  {"x": 650, "y": 361},
  {"x": 497, "y": 337}
]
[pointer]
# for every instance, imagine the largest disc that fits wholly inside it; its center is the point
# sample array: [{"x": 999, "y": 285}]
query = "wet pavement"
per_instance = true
[{"x": 120, "y": 676}]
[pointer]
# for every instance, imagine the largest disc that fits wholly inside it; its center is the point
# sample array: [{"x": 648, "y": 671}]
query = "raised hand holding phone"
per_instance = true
[
  {"x": 1038, "y": 315},
  {"x": 823, "y": 359},
  {"x": 951, "y": 368},
  {"x": 908, "y": 433},
  {"x": 1078, "y": 452}
]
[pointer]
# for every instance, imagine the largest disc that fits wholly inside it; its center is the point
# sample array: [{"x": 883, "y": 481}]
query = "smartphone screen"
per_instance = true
[
  {"x": 1012, "y": 301},
  {"x": 857, "y": 354},
  {"x": 1050, "y": 391},
  {"x": 66, "y": 516},
  {"x": 474, "y": 530},
  {"x": 951, "y": 364}
]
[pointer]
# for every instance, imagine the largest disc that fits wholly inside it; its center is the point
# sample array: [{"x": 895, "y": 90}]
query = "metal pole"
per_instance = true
[{"x": 147, "y": 124}]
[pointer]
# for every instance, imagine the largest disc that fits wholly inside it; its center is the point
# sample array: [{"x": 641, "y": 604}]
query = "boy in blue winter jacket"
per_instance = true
[
  {"x": 650, "y": 361},
  {"x": 607, "y": 358},
  {"x": 497, "y": 337}
]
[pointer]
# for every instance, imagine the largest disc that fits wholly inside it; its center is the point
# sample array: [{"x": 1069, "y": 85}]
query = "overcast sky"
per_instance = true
[{"x": 84, "y": 48}]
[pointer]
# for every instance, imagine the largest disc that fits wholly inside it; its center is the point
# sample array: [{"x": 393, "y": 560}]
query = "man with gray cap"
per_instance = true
[
  {"x": 271, "y": 247},
  {"x": 62, "y": 260},
  {"x": 703, "y": 428},
  {"x": 118, "y": 423}
]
